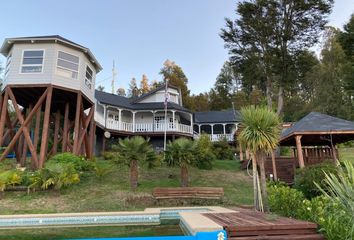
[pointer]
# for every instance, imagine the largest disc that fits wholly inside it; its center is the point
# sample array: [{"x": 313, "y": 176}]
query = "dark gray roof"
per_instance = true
[
  {"x": 128, "y": 103},
  {"x": 217, "y": 116},
  {"x": 318, "y": 122}
]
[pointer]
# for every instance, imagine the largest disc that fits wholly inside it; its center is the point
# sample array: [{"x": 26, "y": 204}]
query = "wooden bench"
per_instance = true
[{"x": 188, "y": 193}]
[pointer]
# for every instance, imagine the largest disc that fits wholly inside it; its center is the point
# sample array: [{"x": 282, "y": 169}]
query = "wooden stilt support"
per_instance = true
[
  {"x": 66, "y": 128},
  {"x": 10, "y": 126},
  {"x": 24, "y": 125},
  {"x": 36, "y": 128},
  {"x": 24, "y": 150},
  {"x": 77, "y": 124},
  {"x": 299, "y": 151},
  {"x": 44, "y": 141},
  {"x": 56, "y": 132},
  {"x": 3, "y": 115}
]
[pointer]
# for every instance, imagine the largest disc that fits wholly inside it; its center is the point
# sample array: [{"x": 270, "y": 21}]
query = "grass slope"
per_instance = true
[{"x": 112, "y": 192}]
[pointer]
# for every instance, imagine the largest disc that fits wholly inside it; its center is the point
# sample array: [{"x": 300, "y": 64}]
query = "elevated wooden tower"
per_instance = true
[{"x": 47, "y": 99}]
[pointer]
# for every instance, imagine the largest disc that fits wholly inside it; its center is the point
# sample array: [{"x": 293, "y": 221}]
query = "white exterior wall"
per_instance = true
[
  {"x": 49, "y": 74},
  {"x": 159, "y": 96}
]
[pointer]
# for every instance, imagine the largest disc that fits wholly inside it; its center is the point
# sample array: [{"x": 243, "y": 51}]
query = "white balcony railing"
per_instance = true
[
  {"x": 217, "y": 137},
  {"x": 142, "y": 127}
]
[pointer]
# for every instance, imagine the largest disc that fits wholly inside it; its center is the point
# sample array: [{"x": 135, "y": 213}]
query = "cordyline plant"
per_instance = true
[{"x": 260, "y": 133}]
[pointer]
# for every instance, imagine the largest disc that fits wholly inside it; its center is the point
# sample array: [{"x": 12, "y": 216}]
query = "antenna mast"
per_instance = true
[{"x": 114, "y": 73}]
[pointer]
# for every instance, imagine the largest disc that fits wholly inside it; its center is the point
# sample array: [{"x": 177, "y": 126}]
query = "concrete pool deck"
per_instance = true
[{"x": 191, "y": 219}]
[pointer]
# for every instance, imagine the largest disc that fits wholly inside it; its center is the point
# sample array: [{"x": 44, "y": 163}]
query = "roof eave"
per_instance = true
[{"x": 5, "y": 48}]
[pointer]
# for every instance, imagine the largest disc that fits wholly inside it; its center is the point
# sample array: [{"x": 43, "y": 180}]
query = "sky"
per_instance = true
[{"x": 139, "y": 35}]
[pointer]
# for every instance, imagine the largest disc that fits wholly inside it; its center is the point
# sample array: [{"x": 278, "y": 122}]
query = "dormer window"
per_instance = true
[
  {"x": 88, "y": 77},
  {"x": 32, "y": 61},
  {"x": 68, "y": 65}
]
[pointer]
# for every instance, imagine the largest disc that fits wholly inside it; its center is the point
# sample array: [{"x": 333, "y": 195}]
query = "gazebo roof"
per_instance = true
[{"x": 318, "y": 129}]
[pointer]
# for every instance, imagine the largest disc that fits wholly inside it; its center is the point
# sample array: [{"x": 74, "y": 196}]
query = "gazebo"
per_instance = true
[{"x": 315, "y": 137}]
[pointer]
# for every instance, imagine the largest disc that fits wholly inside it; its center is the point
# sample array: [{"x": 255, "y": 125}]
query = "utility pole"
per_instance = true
[{"x": 114, "y": 73}]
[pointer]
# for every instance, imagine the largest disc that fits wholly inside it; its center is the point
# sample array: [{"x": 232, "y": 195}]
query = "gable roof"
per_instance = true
[
  {"x": 8, "y": 42},
  {"x": 143, "y": 96},
  {"x": 320, "y": 125},
  {"x": 229, "y": 116},
  {"x": 128, "y": 103}
]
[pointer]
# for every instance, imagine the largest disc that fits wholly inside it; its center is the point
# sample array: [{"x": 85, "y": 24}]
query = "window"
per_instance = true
[
  {"x": 68, "y": 65},
  {"x": 88, "y": 77},
  {"x": 7, "y": 68},
  {"x": 32, "y": 61}
]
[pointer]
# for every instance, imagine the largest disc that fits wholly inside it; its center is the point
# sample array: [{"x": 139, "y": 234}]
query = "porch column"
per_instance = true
[
  {"x": 223, "y": 125},
  {"x": 105, "y": 114},
  {"x": 153, "y": 120},
  {"x": 120, "y": 119},
  {"x": 133, "y": 121},
  {"x": 191, "y": 115},
  {"x": 199, "y": 128},
  {"x": 299, "y": 151},
  {"x": 212, "y": 131},
  {"x": 173, "y": 120}
]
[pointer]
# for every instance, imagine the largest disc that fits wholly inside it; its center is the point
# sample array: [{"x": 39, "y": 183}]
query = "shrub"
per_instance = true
[
  {"x": 10, "y": 177},
  {"x": 203, "y": 153},
  {"x": 54, "y": 175},
  {"x": 334, "y": 222},
  {"x": 79, "y": 163},
  {"x": 284, "y": 200},
  {"x": 109, "y": 155},
  {"x": 222, "y": 150},
  {"x": 305, "y": 178}
]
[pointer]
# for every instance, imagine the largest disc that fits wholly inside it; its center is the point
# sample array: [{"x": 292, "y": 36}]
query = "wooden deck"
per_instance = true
[{"x": 252, "y": 225}]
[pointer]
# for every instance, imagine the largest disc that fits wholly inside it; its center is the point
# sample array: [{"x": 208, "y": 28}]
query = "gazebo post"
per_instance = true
[
  {"x": 275, "y": 175},
  {"x": 241, "y": 152},
  {"x": 299, "y": 151},
  {"x": 334, "y": 154}
]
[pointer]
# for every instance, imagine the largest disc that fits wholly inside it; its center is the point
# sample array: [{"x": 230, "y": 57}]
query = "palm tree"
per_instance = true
[
  {"x": 132, "y": 151},
  {"x": 180, "y": 153},
  {"x": 260, "y": 134}
]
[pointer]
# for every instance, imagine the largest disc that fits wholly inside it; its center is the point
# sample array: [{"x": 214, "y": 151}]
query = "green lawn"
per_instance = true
[
  {"x": 346, "y": 154},
  {"x": 112, "y": 192}
]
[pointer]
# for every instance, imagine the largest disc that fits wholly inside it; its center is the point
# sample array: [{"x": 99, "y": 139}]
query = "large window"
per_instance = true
[
  {"x": 68, "y": 65},
  {"x": 88, "y": 77},
  {"x": 32, "y": 61}
]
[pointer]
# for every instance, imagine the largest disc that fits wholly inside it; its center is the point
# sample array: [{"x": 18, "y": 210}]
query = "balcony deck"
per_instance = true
[{"x": 128, "y": 127}]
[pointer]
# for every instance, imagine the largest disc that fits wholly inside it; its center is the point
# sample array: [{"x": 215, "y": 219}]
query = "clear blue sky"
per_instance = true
[{"x": 138, "y": 34}]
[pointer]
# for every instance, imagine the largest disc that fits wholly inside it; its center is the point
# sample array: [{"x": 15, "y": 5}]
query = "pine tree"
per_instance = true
[{"x": 133, "y": 90}]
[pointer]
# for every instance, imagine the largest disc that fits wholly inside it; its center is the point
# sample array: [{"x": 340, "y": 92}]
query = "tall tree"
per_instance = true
[
  {"x": 346, "y": 39},
  {"x": 226, "y": 85},
  {"x": 121, "y": 92},
  {"x": 267, "y": 35},
  {"x": 200, "y": 102},
  {"x": 100, "y": 88},
  {"x": 133, "y": 90},
  {"x": 176, "y": 77},
  {"x": 144, "y": 85},
  {"x": 329, "y": 77}
]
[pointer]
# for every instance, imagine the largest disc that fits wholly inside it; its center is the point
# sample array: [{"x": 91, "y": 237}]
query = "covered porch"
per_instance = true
[
  {"x": 216, "y": 131},
  {"x": 144, "y": 121}
]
